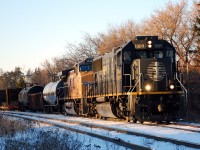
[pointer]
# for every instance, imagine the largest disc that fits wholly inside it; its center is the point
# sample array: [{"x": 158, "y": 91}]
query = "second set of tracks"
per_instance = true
[{"x": 85, "y": 127}]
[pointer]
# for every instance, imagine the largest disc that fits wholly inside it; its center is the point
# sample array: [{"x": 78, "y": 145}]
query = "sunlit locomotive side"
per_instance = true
[
  {"x": 138, "y": 81},
  {"x": 76, "y": 88}
]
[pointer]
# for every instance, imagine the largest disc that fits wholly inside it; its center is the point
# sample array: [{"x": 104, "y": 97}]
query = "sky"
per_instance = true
[{"x": 32, "y": 31}]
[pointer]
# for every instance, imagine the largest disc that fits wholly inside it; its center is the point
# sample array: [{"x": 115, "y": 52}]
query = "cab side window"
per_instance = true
[{"x": 119, "y": 59}]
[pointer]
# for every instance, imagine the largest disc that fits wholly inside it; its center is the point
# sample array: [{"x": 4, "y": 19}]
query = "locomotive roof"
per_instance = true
[
  {"x": 64, "y": 72},
  {"x": 114, "y": 50}
]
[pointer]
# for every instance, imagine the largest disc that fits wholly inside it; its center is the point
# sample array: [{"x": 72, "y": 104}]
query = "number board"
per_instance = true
[
  {"x": 140, "y": 46},
  {"x": 158, "y": 46}
]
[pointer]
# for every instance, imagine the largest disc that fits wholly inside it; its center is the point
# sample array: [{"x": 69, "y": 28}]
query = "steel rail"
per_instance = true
[
  {"x": 105, "y": 138},
  {"x": 157, "y": 138}
]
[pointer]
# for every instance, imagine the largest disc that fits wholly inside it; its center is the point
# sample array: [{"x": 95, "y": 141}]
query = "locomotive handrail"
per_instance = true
[
  {"x": 131, "y": 89},
  {"x": 60, "y": 93},
  {"x": 66, "y": 86},
  {"x": 86, "y": 92},
  {"x": 184, "y": 89}
]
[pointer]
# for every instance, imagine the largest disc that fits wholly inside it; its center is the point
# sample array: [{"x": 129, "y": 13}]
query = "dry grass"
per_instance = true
[
  {"x": 19, "y": 134},
  {"x": 43, "y": 140},
  {"x": 9, "y": 126}
]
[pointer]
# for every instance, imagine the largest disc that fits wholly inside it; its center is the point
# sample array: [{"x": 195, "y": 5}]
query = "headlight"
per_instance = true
[
  {"x": 149, "y": 44},
  {"x": 148, "y": 87},
  {"x": 171, "y": 86}
]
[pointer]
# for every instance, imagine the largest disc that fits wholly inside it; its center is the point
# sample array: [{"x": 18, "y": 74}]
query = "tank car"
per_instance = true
[
  {"x": 25, "y": 97},
  {"x": 138, "y": 81},
  {"x": 52, "y": 94},
  {"x": 35, "y": 99}
]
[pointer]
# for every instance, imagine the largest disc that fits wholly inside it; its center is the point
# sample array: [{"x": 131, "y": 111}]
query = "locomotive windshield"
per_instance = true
[
  {"x": 86, "y": 67},
  {"x": 168, "y": 52},
  {"x": 150, "y": 54}
]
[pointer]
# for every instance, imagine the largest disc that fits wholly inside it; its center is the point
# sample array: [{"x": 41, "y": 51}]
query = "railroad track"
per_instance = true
[
  {"x": 49, "y": 121},
  {"x": 115, "y": 140},
  {"x": 183, "y": 127}
]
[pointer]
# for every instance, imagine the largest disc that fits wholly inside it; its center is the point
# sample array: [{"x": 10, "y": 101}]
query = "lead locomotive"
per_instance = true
[{"x": 137, "y": 81}]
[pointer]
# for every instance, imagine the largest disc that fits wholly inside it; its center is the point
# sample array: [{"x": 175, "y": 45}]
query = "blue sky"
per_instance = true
[{"x": 34, "y": 30}]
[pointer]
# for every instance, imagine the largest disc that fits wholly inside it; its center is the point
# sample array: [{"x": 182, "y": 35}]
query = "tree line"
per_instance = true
[{"x": 177, "y": 23}]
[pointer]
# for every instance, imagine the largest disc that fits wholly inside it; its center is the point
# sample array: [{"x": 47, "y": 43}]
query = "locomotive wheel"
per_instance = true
[
  {"x": 103, "y": 118},
  {"x": 97, "y": 116},
  {"x": 159, "y": 122},
  {"x": 134, "y": 120},
  {"x": 141, "y": 121},
  {"x": 128, "y": 119}
]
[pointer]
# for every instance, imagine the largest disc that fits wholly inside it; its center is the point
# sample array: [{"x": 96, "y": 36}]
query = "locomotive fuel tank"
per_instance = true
[{"x": 52, "y": 91}]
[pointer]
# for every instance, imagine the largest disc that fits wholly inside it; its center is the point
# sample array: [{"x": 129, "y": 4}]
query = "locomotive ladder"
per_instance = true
[
  {"x": 132, "y": 89},
  {"x": 84, "y": 96}
]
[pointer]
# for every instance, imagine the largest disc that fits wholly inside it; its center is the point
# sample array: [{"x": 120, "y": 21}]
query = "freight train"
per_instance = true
[{"x": 137, "y": 81}]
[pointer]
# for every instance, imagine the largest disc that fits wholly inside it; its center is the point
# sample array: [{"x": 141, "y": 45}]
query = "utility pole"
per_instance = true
[{"x": 187, "y": 71}]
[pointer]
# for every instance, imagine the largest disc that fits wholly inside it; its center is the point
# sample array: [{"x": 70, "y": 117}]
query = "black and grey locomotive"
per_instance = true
[{"x": 138, "y": 81}]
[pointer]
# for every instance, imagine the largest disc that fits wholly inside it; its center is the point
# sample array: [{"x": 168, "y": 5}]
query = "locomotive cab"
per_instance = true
[
  {"x": 153, "y": 73},
  {"x": 154, "y": 65}
]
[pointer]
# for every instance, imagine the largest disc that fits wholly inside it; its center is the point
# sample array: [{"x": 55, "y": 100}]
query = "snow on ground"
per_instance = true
[
  {"x": 152, "y": 130},
  {"x": 94, "y": 143},
  {"x": 31, "y": 137}
]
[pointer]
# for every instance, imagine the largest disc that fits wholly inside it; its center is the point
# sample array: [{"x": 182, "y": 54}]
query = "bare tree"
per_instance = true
[
  {"x": 117, "y": 35},
  {"x": 196, "y": 59},
  {"x": 49, "y": 69},
  {"x": 78, "y": 52},
  {"x": 173, "y": 23},
  {"x": 102, "y": 42}
]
